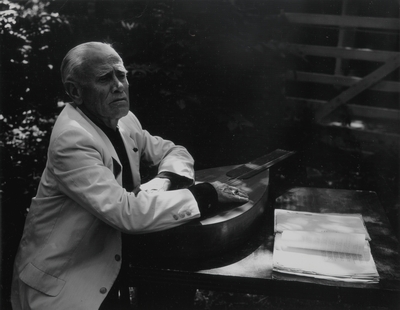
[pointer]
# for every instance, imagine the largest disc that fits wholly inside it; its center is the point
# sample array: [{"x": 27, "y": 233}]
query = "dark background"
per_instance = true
[{"x": 209, "y": 75}]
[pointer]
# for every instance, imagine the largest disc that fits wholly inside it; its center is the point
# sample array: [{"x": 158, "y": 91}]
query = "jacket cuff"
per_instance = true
[
  {"x": 206, "y": 197},
  {"x": 177, "y": 181}
]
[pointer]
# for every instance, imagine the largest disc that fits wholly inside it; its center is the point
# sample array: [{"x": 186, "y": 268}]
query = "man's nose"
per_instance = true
[{"x": 117, "y": 85}]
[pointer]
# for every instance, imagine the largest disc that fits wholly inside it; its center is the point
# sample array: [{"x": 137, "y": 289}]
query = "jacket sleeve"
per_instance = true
[
  {"x": 162, "y": 153},
  {"x": 84, "y": 174}
]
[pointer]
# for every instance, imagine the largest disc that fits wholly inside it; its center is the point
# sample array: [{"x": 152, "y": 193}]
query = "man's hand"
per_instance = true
[
  {"x": 156, "y": 185},
  {"x": 227, "y": 193}
]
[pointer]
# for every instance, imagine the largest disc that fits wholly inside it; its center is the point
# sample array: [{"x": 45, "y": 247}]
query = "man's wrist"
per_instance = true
[
  {"x": 206, "y": 197},
  {"x": 177, "y": 181}
]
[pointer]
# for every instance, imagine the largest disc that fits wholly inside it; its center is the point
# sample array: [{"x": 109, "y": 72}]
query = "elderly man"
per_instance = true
[{"x": 71, "y": 253}]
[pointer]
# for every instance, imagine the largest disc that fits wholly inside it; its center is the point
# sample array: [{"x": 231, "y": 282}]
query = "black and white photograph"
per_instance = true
[{"x": 199, "y": 154}]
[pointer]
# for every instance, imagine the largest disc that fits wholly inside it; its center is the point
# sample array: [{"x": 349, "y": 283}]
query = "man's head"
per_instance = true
[{"x": 94, "y": 77}]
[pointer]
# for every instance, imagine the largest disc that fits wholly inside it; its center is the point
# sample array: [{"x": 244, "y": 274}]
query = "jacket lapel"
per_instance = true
[{"x": 116, "y": 163}]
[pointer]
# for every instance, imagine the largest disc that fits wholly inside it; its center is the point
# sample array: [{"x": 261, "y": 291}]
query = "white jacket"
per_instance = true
[{"x": 69, "y": 255}]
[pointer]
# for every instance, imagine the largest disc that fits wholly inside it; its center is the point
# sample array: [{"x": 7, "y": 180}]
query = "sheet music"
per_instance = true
[
  {"x": 320, "y": 263},
  {"x": 319, "y": 222},
  {"x": 333, "y": 242},
  {"x": 329, "y": 246}
]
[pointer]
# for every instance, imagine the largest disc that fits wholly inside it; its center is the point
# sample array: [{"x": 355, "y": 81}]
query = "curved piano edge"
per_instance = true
[{"x": 212, "y": 236}]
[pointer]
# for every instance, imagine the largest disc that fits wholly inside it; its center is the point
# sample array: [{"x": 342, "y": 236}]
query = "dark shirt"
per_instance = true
[{"x": 118, "y": 143}]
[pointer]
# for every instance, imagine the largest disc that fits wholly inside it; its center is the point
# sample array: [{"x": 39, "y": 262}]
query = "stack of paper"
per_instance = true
[{"x": 327, "y": 246}]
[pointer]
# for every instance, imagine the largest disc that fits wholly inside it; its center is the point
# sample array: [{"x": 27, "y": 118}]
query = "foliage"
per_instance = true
[
  {"x": 30, "y": 58},
  {"x": 30, "y": 88}
]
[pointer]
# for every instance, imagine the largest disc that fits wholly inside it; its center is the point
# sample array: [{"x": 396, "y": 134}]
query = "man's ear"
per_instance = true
[{"x": 75, "y": 92}]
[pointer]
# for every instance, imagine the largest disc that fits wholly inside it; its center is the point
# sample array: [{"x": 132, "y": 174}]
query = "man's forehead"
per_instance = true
[
  {"x": 103, "y": 55},
  {"x": 111, "y": 61},
  {"x": 104, "y": 59}
]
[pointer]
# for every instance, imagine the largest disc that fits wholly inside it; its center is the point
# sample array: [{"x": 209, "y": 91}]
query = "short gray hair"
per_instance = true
[{"x": 72, "y": 62}]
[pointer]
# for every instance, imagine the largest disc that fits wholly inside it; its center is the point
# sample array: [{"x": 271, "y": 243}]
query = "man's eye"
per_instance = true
[
  {"x": 121, "y": 75},
  {"x": 104, "y": 78}
]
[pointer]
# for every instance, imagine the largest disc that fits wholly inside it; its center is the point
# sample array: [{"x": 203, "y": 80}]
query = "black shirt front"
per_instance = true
[{"x": 118, "y": 144}]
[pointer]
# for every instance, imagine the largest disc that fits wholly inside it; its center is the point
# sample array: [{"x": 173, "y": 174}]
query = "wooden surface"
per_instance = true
[
  {"x": 343, "y": 21},
  {"x": 347, "y": 53},
  {"x": 248, "y": 268},
  {"x": 369, "y": 80},
  {"x": 339, "y": 80}
]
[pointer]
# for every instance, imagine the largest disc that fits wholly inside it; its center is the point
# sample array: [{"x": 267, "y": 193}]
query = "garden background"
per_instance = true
[{"x": 209, "y": 75}]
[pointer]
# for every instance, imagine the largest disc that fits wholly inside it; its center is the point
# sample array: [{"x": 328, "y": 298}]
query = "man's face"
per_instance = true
[{"x": 105, "y": 88}]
